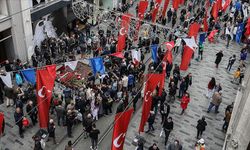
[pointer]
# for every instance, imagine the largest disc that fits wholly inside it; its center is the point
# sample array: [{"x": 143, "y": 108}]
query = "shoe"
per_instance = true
[
  {"x": 217, "y": 112},
  {"x": 22, "y": 136},
  {"x": 207, "y": 111}
]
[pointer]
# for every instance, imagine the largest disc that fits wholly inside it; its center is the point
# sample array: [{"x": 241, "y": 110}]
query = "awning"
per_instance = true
[{"x": 39, "y": 12}]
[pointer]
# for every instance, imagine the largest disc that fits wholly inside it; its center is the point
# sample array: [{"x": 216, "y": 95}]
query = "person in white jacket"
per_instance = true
[{"x": 177, "y": 45}]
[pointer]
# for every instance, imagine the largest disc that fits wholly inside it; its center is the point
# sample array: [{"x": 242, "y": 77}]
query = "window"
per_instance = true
[{"x": 3, "y": 9}]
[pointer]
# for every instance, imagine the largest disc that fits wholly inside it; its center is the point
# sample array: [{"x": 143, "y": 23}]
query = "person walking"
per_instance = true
[
  {"x": 184, "y": 102},
  {"x": 18, "y": 115},
  {"x": 164, "y": 110},
  {"x": 172, "y": 92},
  {"x": 227, "y": 118},
  {"x": 32, "y": 112},
  {"x": 168, "y": 126},
  {"x": 201, "y": 126},
  {"x": 200, "y": 145},
  {"x": 175, "y": 145},
  {"x": 219, "y": 56},
  {"x": 182, "y": 87},
  {"x": 69, "y": 146},
  {"x": 60, "y": 113},
  {"x": 69, "y": 122},
  {"x": 188, "y": 80},
  {"x": 216, "y": 101},
  {"x": 210, "y": 87},
  {"x": 94, "y": 137},
  {"x": 231, "y": 61},
  {"x": 154, "y": 147},
  {"x": 151, "y": 121},
  {"x": 51, "y": 131}
]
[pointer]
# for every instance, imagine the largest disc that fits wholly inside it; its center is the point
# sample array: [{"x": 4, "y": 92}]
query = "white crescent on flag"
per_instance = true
[
  {"x": 123, "y": 31},
  {"x": 40, "y": 92},
  {"x": 190, "y": 42},
  {"x": 115, "y": 142}
]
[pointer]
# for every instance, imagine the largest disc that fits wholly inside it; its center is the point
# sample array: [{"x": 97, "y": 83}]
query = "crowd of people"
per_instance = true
[{"x": 123, "y": 77}]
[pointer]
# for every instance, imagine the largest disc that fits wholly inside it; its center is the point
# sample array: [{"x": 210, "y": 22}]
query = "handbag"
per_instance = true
[{"x": 25, "y": 122}]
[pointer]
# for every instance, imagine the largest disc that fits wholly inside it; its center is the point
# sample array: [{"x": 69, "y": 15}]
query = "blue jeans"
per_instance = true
[{"x": 211, "y": 106}]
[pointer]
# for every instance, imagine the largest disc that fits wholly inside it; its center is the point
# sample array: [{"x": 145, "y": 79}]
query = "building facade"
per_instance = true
[
  {"x": 238, "y": 134},
  {"x": 18, "y": 19}
]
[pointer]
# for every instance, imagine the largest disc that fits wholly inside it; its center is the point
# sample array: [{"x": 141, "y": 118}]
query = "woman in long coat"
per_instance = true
[
  {"x": 219, "y": 56},
  {"x": 184, "y": 102}
]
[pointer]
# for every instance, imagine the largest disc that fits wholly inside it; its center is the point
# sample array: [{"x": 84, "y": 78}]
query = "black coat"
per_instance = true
[
  {"x": 218, "y": 57},
  {"x": 201, "y": 126}
]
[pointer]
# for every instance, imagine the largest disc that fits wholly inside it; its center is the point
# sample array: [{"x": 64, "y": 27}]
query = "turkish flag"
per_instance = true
[
  {"x": 120, "y": 128},
  {"x": 165, "y": 8},
  {"x": 1, "y": 122},
  {"x": 152, "y": 81},
  {"x": 142, "y": 7},
  {"x": 182, "y": 2},
  {"x": 205, "y": 24},
  {"x": 168, "y": 56},
  {"x": 219, "y": 4},
  {"x": 118, "y": 55},
  {"x": 194, "y": 29},
  {"x": 176, "y": 4},
  {"x": 123, "y": 32},
  {"x": 226, "y": 4},
  {"x": 211, "y": 35},
  {"x": 247, "y": 32},
  {"x": 215, "y": 10},
  {"x": 185, "y": 60},
  {"x": 45, "y": 79},
  {"x": 155, "y": 11}
]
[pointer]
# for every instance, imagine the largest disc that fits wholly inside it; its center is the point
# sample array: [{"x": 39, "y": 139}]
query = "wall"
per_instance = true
[{"x": 239, "y": 127}]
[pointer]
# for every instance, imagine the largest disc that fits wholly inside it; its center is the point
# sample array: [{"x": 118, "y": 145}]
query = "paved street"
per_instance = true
[{"x": 185, "y": 125}]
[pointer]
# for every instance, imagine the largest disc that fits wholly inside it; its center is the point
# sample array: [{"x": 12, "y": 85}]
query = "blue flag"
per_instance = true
[
  {"x": 202, "y": 38},
  {"x": 29, "y": 75},
  {"x": 97, "y": 65},
  {"x": 238, "y": 6},
  {"x": 239, "y": 32},
  {"x": 154, "y": 52}
]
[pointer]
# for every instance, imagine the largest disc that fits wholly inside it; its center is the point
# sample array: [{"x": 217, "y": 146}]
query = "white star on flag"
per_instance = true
[{"x": 190, "y": 42}]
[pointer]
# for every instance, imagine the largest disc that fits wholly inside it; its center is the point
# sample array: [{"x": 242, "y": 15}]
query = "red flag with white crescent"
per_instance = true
[
  {"x": 165, "y": 8},
  {"x": 215, "y": 10},
  {"x": 123, "y": 32},
  {"x": 168, "y": 56},
  {"x": 205, "y": 24},
  {"x": 120, "y": 128},
  {"x": 1, "y": 122},
  {"x": 155, "y": 11},
  {"x": 176, "y": 4},
  {"x": 226, "y": 4},
  {"x": 186, "y": 57},
  {"x": 219, "y": 4},
  {"x": 45, "y": 79},
  {"x": 152, "y": 81},
  {"x": 247, "y": 33},
  {"x": 142, "y": 7},
  {"x": 194, "y": 29}
]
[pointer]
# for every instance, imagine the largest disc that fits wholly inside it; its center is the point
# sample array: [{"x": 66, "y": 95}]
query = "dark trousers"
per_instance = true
[
  {"x": 167, "y": 133},
  {"x": 69, "y": 130},
  {"x": 150, "y": 127},
  {"x": 20, "y": 128},
  {"x": 59, "y": 118},
  {"x": 229, "y": 66},
  {"x": 94, "y": 143},
  {"x": 33, "y": 118},
  {"x": 199, "y": 133},
  {"x": 225, "y": 126}
]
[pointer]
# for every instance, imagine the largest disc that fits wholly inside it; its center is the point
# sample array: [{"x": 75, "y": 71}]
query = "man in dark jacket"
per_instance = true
[
  {"x": 51, "y": 130},
  {"x": 18, "y": 115},
  {"x": 201, "y": 126},
  {"x": 154, "y": 147},
  {"x": 151, "y": 121},
  {"x": 32, "y": 111},
  {"x": 69, "y": 122},
  {"x": 60, "y": 112},
  {"x": 175, "y": 146},
  {"x": 94, "y": 136},
  {"x": 164, "y": 110},
  {"x": 168, "y": 126}
]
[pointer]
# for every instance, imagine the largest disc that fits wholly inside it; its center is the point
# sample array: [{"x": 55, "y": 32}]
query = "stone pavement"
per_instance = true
[{"x": 185, "y": 125}]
